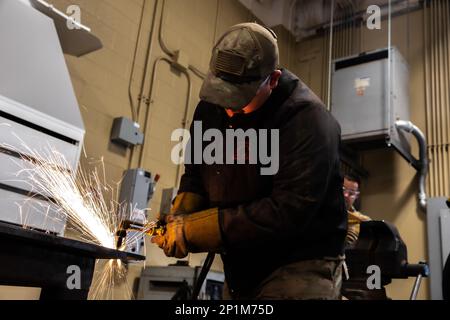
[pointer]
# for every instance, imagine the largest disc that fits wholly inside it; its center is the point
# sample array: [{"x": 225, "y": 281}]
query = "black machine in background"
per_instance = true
[{"x": 380, "y": 245}]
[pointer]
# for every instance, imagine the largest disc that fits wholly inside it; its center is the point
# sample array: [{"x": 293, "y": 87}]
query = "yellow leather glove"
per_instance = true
[
  {"x": 197, "y": 232},
  {"x": 354, "y": 226}
]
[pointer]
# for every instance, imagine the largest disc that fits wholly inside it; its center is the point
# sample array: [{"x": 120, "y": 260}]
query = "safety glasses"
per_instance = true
[{"x": 351, "y": 193}]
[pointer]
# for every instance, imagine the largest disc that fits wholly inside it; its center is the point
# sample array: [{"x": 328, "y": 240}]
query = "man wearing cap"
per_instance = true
[{"x": 280, "y": 236}]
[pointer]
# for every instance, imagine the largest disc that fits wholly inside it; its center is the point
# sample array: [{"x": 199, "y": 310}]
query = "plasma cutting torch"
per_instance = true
[
  {"x": 158, "y": 228},
  {"x": 151, "y": 229}
]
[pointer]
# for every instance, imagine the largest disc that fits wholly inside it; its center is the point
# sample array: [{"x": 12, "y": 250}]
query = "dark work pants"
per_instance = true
[{"x": 305, "y": 280}]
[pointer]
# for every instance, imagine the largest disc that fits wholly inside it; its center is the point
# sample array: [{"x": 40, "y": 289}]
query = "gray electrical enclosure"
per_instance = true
[
  {"x": 136, "y": 190},
  {"x": 168, "y": 195},
  {"x": 126, "y": 133},
  {"x": 363, "y": 103}
]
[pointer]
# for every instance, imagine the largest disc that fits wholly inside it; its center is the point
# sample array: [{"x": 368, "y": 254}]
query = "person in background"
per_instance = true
[{"x": 351, "y": 194}]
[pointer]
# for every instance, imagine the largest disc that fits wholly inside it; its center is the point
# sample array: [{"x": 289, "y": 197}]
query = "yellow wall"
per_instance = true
[{"x": 101, "y": 79}]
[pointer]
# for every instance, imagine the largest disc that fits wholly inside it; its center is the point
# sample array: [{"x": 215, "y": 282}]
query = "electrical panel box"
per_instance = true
[
  {"x": 364, "y": 104},
  {"x": 168, "y": 195},
  {"x": 136, "y": 190},
  {"x": 126, "y": 133}
]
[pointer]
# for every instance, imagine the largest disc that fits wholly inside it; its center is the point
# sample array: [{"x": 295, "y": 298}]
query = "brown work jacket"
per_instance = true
[{"x": 295, "y": 215}]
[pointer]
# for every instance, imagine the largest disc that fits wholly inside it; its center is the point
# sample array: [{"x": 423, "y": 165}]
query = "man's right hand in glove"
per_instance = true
[{"x": 195, "y": 233}]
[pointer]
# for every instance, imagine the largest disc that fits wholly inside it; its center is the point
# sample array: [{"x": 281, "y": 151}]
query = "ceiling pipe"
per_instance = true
[{"x": 397, "y": 10}]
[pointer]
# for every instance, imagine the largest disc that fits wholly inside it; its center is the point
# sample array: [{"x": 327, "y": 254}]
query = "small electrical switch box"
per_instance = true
[{"x": 127, "y": 133}]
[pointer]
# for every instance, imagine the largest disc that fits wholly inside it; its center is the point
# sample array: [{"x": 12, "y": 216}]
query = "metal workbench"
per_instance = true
[{"x": 30, "y": 258}]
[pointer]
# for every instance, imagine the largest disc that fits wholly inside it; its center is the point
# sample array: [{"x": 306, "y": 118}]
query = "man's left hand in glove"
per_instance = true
[{"x": 195, "y": 233}]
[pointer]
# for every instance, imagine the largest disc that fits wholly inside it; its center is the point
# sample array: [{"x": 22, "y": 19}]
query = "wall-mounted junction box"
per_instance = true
[
  {"x": 181, "y": 60},
  {"x": 126, "y": 133},
  {"x": 137, "y": 188}
]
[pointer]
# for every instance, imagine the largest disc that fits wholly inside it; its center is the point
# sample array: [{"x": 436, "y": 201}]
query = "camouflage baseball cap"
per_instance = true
[{"x": 242, "y": 60}]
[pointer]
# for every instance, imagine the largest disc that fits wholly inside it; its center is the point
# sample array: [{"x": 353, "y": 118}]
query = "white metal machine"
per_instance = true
[
  {"x": 38, "y": 109},
  {"x": 176, "y": 282}
]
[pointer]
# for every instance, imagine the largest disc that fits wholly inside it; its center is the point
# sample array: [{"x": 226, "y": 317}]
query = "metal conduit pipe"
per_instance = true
[
  {"x": 163, "y": 45},
  {"x": 184, "y": 123},
  {"x": 133, "y": 66},
  {"x": 136, "y": 110},
  {"x": 151, "y": 97},
  {"x": 409, "y": 127},
  {"x": 166, "y": 49},
  {"x": 150, "y": 101},
  {"x": 148, "y": 55}
]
